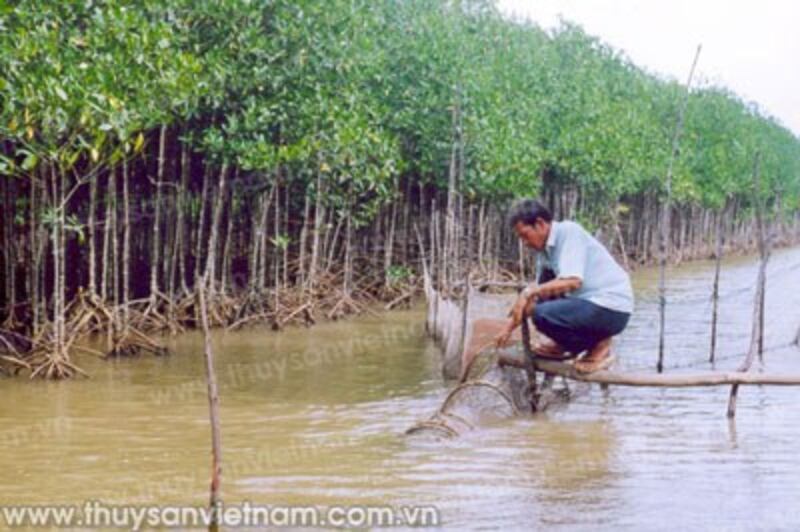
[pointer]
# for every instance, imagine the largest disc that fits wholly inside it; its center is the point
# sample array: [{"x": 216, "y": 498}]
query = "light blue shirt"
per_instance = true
[{"x": 572, "y": 252}]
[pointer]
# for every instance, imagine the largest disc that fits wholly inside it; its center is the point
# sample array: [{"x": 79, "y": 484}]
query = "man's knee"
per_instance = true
[{"x": 542, "y": 317}]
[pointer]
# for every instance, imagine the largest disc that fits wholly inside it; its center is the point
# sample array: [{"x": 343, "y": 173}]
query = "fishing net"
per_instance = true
[
  {"x": 491, "y": 395},
  {"x": 452, "y": 323},
  {"x": 487, "y": 392}
]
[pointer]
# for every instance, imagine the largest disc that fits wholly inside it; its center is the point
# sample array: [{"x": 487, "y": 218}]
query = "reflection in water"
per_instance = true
[{"x": 315, "y": 416}]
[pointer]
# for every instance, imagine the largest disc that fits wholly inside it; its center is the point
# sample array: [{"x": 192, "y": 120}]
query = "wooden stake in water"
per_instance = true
[
  {"x": 213, "y": 408},
  {"x": 665, "y": 217},
  {"x": 715, "y": 293},
  {"x": 757, "y": 334}
]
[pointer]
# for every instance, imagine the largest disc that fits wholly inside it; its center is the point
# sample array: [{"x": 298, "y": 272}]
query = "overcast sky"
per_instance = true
[{"x": 751, "y": 47}]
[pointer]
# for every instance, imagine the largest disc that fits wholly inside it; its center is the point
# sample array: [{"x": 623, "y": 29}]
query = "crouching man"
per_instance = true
[{"x": 584, "y": 301}]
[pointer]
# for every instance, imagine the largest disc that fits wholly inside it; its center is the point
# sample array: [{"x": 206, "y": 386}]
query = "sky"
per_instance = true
[{"x": 750, "y": 47}]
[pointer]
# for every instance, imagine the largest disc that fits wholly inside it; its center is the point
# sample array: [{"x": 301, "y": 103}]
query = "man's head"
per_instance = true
[{"x": 531, "y": 221}]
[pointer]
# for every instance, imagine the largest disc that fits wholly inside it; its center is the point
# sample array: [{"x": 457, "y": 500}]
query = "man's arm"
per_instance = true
[
  {"x": 527, "y": 298},
  {"x": 557, "y": 287}
]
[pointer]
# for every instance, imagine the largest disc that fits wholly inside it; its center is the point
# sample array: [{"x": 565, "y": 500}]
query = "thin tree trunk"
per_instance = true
[
  {"x": 482, "y": 235},
  {"x": 286, "y": 231},
  {"x": 304, "y": 239},
  {"x": 449, "y": 227},
  {"x": 154, "y": 253},
  {"x": 9, "y": 259},
  {"x": 406, "y": 229},
  {"x": 57, "y": 196},
  {"x": 264, "y": 258},
  {"x": 276, "y": 235},
  {"x": 92, "y": 243},
  {"x": 316, "y": 239},
  {"x": 33, "y": 277},
  {"x": 623, "y": 252},
  {"x": 257, "y": 253},
  {"x": 55, "y": 244},
  {"x": 348, "y": 257},
  {"x": 181, "y": 240},
  {"x": 126, "y": 243},
  {"x": 211, "y": 259},
  {"x": 332, "y": 241},
  {"x": 388, "y": 250},
  {"x": 202, "y": 221},
  {"x": 113, "y": 261},
  {"x": 226, "y": 254}
]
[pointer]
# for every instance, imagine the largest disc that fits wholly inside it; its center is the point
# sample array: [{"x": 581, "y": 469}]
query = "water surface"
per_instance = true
[{"x": 315, "y": 417}]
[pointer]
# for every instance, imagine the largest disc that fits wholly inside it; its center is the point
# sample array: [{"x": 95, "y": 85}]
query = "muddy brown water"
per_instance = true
[{"x": 316, "y": 416}]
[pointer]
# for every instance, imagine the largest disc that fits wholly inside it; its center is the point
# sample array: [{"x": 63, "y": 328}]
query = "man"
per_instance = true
[{"x": 588, "y": 299}]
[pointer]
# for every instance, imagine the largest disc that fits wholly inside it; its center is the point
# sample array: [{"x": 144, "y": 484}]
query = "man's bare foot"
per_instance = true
[{"x": 599, "y": 357}]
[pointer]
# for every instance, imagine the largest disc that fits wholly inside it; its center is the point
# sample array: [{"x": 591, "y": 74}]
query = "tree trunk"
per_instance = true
[
  {"x": 304, "y": 238},
  {"x": 211, "y": 259},
  {"x": 257, "y": 242},
  {"x": 286, "y": 230},
  {"x": 91, "y": 231},
  {"x": 9, "y": 260},
  {"x": 183, "y": 190},
  {"x": 202, "y": 221},
  {"x": 126, "y": 244},
  {"x": 348, "y": 257},
  {"x": 154, "y": 253},
  {"x": 388, "y": 250},
  {"x": 226, "y": 254},
  {"x": 315, "y": 245}
]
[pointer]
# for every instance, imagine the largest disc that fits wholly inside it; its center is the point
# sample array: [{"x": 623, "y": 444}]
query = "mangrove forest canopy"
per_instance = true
[{"x": 296, "y": 157}]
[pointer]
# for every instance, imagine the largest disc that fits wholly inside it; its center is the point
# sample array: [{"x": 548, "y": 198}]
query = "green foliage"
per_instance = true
[
  {"x": 366, "y": 92},
  {"x": 397, "y": 274}
]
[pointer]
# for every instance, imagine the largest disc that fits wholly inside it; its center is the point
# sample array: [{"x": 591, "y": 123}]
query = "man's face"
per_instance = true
[{"x": 534, "y": 236}]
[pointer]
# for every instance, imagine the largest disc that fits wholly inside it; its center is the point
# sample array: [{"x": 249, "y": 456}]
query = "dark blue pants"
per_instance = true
[{"x": 577, "y": 324}]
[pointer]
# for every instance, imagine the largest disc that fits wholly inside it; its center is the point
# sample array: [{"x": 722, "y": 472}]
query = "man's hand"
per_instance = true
[
  {"x": 502, "y": 339},
  {"x": 523, "y": 307},
  {"x": 524, "y": 304}
]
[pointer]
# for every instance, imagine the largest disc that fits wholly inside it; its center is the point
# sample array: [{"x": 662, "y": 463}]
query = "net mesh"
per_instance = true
[
  {"x": 490, "y": 394},
  {"x": 487, "y": 392}
]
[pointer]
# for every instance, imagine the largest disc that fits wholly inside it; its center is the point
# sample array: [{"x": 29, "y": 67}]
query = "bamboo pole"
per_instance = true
[
  {"x": 665, "y": 219},
  {"x": 715, "y": 290},
  {"x": 757, "y": 333},
  {"x": 672, "y": 380},
  {"x": 213, "y": 410}
]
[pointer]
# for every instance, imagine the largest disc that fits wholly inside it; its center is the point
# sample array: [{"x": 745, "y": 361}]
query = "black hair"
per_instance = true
[{"x": 528, "y": 211}]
